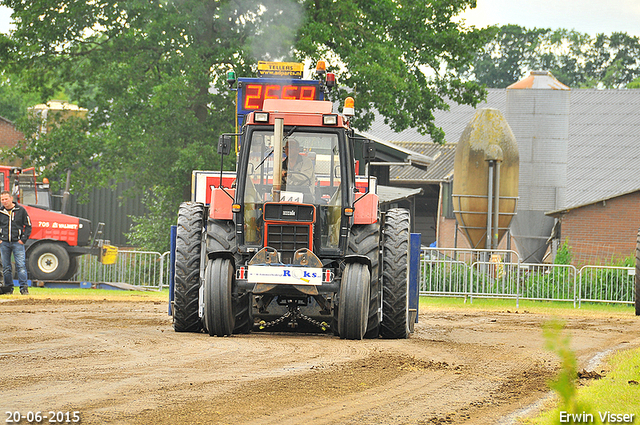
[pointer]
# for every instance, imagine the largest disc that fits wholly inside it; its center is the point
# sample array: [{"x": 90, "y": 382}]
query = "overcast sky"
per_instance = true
[{"x": 586, "y": 16}]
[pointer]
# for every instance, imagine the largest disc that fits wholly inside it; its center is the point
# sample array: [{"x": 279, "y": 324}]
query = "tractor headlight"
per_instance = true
[{"x": 261, "y": 116}]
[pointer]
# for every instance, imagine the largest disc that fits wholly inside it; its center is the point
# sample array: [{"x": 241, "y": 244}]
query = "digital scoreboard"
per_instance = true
[
  {"x": 277, "y": 80},
  {"x": 253, "y": 91}
]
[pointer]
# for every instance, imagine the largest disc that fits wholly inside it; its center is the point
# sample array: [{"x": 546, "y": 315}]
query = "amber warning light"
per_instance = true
[{"x": 255, "y": 94}]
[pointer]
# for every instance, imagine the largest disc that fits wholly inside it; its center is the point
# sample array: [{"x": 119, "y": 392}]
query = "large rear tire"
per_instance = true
[
  {"x": 221, "y": 238},
  {"x": 395, "y": 279},
  {"x": 637, "y": 276},
  {"x": 365, "y": 240},
  {"x": 219, "y": 315},
  {"x": 48, "y": 261},
  {"x": 73, "y": 268},
  {"x": 187, "y": 278},
  {"x": 353, "y": 312}
]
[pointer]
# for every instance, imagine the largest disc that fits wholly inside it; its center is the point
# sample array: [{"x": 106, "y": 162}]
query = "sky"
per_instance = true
[{"x": 586, "y": 16}]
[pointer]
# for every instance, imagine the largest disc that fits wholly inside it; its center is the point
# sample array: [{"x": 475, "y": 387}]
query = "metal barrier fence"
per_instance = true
[
  {"x": 139, "y": 268},
  {"x": 607, "y": 284},
  {"x": 500, "y": 274},
  {"x": 443, "y": 272}
]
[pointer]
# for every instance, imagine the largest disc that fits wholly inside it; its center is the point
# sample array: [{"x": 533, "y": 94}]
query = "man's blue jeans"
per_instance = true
[{"x": 6, "y": 248}]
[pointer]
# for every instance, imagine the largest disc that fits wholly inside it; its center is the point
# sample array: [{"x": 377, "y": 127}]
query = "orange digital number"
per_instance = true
[
  {"x": 307, "y": 93},
  {"x": 272, "y": 92},
  {"x": 253, "y": 96},
  {"x": 291, "y": 92}
]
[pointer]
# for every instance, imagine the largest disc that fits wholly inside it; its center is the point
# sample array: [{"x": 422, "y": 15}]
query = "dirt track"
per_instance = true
[{"x": 119, "y": 362}]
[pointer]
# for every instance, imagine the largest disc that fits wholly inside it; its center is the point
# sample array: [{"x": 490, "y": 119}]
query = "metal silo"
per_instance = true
[{"x": 538, "y": 113}]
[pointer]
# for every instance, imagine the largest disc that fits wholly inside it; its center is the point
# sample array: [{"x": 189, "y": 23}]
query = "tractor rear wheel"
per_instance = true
[
  {"x": 395, "y": 279},
  {"x": 48, "y": 261},
  {"x": 187, "y": 278},
  {"x": 637, "y": 276},
  {"x": 365, "y": 240},
  {"x": 353, "y": 312},
  {"x": 221, "y": 237},
  {"x": 219, "y": 317}
]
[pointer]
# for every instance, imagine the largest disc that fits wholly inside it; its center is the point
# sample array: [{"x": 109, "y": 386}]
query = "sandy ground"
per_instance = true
[{"x": 120, "y": 362}]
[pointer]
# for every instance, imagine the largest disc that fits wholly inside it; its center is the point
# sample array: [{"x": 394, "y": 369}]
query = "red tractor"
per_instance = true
[
  {"x": 273, "y": 246},
  {"x": 57, "y": 240}
]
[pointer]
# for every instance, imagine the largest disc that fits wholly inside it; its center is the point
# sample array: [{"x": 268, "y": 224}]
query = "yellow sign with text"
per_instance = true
[{"x": 280, "y": 69}]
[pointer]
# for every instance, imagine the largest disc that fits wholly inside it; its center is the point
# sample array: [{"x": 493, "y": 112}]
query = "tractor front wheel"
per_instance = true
[
  {"x": 353, "y": 312},
  {"x": 365, "y": 240},
  {"x": 219, "y": 315}
]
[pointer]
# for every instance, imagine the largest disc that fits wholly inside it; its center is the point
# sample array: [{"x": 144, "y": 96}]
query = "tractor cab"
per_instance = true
[{"x": 289, "y": 186}]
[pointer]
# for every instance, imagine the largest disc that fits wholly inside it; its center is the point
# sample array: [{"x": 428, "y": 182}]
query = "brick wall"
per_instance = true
[
  {"x": 9, "y": 136},
  {"x": 603, "y": 232}
]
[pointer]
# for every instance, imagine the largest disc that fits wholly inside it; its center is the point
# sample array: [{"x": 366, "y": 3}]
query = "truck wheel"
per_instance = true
[
  {"x": 73, "y": 268},
  {"x": 637, "y": 276},
  {"x": 365, "y": 240},
  {"x": 395, "y": 279},
  {"x": 187, "y": 278},
  {"x": 219, "y": 315},
  {"x": 221, "y": 237},
  {"x": 48, "y": 261},
  {"x": 353, "y": 312}
]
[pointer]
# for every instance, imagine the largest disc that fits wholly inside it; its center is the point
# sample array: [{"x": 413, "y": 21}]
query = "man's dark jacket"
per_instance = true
[{"x": 15, "y": 223}]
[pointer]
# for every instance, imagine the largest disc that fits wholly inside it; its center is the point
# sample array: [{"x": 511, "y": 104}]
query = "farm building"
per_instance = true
[{"x": 602, "y": 167}]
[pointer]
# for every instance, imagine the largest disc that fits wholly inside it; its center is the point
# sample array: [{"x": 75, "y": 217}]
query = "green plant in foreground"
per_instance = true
[{"x": 565, "y": 382}]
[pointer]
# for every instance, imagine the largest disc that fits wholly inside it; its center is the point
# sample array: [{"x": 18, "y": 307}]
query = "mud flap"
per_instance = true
[{"x": 414, "y": 279}]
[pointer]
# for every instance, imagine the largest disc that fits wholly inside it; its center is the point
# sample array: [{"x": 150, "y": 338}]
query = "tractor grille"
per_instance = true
[{"x": 287, "y": 239}]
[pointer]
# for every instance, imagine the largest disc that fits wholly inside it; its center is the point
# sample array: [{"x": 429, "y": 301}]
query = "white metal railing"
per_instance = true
[
  {"x": 607, "y": 284},
  {"x": 443, "y": 272},
  {"x": 139, "y": 268},
  {"x": 500, "y": 274}
]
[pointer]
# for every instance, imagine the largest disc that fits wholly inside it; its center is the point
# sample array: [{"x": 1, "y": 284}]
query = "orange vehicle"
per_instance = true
[
  {"x": 271, "y": 245},
  {"x": 57, "y": 240}
]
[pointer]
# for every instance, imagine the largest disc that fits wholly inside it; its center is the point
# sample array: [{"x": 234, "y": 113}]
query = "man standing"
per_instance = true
[{"x": 15, "y": 229}]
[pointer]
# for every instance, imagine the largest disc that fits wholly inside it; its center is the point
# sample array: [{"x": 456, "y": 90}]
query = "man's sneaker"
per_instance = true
[
  {"x": 24, "y": 291},
  {"x": 6, "y": 289}
]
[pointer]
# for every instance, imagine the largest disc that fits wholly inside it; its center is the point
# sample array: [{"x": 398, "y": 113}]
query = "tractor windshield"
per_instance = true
[{"x": 310, "y": 175}]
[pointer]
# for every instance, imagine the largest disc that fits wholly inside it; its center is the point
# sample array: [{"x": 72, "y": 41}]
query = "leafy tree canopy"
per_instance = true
[
  {"x": 576, "y": 59},
  {"x": 151, "y": 73}
]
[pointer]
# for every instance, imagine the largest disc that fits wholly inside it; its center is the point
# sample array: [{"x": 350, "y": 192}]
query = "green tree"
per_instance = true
[
  {"x": 152, "y": 74},
  {"x": 14, "y": 99},
  {"x": 576, "y": 59}
]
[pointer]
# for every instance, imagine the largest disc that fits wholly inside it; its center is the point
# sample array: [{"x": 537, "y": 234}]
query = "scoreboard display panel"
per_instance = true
[{"x": 253, "y": 91}]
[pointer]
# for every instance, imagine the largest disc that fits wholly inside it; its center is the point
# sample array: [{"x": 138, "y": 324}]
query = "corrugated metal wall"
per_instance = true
[{"x": 108, "y": 206}]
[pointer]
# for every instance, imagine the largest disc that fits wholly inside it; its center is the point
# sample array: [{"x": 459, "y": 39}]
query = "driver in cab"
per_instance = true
[{"x": 297, "y": 169}]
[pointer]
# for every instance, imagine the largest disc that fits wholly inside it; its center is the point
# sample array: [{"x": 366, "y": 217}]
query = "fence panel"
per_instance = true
[
  {"x": 139, "y": 268},
  {"x": 548, "y": 282},
  {"x": 495, "y": 278},
  {"x": 463, "y": 272},
  {"x": 607, "y": 284}
]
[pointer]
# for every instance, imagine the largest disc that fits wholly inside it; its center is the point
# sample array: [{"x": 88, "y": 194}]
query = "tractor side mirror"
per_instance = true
[
  {"x": 224, "y": 144},
  {"x": 368, "y": 150}
]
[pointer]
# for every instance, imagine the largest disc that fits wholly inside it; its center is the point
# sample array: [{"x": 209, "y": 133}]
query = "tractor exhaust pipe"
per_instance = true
[{"x": 278, "y": 131}]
